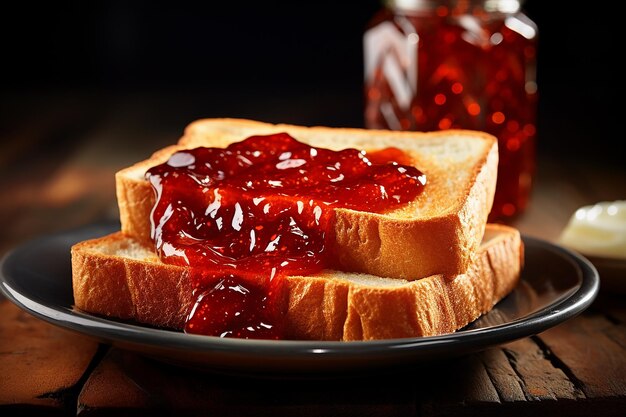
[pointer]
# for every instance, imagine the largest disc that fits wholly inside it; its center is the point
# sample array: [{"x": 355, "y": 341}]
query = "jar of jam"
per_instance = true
[{"x": 442, "y": 64}]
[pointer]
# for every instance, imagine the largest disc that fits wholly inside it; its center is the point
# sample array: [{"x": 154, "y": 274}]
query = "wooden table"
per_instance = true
[{"x": 60, "y": 175}]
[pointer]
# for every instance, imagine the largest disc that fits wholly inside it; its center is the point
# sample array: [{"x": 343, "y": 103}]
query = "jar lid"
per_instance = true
[{"x": 502, "y": 6}]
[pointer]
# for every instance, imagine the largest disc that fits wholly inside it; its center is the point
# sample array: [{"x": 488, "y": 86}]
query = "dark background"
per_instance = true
[{"x": 277, "y": 61}]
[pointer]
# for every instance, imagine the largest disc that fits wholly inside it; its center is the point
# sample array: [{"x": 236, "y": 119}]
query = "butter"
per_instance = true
[{"x": 598, "y": 230}]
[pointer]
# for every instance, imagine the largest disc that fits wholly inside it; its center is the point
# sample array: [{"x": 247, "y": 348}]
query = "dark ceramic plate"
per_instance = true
[{"x": 557, "y": 284}]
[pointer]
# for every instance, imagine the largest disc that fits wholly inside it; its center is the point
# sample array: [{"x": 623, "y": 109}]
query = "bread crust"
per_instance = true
[
  {"x": 119, "y": 277},
  {"x": 443, "y": 227}
]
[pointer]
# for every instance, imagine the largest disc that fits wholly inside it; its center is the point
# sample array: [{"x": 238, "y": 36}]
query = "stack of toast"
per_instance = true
[{"x": 429, "y": 267}]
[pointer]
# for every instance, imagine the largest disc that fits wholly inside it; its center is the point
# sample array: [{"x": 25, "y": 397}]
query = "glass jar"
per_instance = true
[{"x": 437, "y": 64}]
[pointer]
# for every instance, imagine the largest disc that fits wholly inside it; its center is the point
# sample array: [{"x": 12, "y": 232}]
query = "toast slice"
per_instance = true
[
  {"x": 120, "y": 277},
  {"x": 436, "y": 233}
]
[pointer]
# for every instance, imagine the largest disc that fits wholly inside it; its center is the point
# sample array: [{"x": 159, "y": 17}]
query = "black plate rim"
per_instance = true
[{"x": 135, "y": 336}]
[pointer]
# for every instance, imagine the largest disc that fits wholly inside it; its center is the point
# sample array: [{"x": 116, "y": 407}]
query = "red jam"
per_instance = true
[
  {"x": 433, "y": 65},
  {"x": 246, "y": 216}
]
